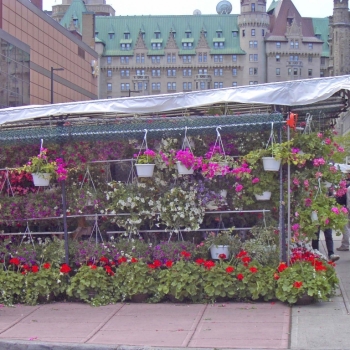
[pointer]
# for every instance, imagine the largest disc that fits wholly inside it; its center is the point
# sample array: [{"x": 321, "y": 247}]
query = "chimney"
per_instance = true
[{"x": 38, "y": 4}]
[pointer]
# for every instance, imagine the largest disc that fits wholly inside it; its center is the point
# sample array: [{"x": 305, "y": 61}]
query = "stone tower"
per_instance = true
[
  {"x": 339, "y": 39},
  {"x": 254, "y": 23}
]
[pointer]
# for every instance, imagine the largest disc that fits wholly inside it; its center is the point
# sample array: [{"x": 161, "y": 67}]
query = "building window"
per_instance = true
[
  {"x": 205, "y": 57},
  {"x": 155, "y": 72},
  {"x": 140, "y": 72},
  {"x": 126, "y": 35},
  {"x": 234, "y": 84},
  {"x": 156, "y": 86},
  {"x": 234, "y": 58},
  {"x": 234, "y": 72},
  {"x": 253, "y": 32},
  {"x": 171, "y": 86},
  {"x": 311, "y": 46},
  {"x": 187, "y": 72},
  {"x": 218, "y": 85},
  {"x": 243, "y": 32},
  {"x": 278, "y": 45},
  {"x": 253, "y": 71},
  {"x": 187, "y": 86},
  {"x": 124, "y": 59},
  {"x": 309, "y": 73},
  {"x": 253, "y": 7},
  {"x": 171, "y": 72},
  {"x": 292, "y": 44},
  {"x": 168, "y": 58},
  {"x": 253, "y": 44},
  {"x": 109, "y": 73},
  {"x": 295, "y": 71},
  {"x": 140, "y": 58},
  {"x": 218, "y": 72},
  {"x": 157, "y": 35},
  {"x": 186, "y": 59},
  {"x": 125, "y": 47},
  {"x": 218, "y": 58},
  {"x": 263, "y": 32},
  {"x": 111, "y": 36},
  {"x": 125, "y": 87},
  {"x": 202, "y": 71},
  {"x": 109, "y": 60},
  {"x": 289, "y": 71},
  {"x": 235, "y": 34},
  {"x": 155, "y": 59},
  {"x": 200, "y": 57},
  {"x": 125, "y": 73},
  {"x": 278, "y": 71},
  {"x": 278, "y": 58},
  {"x": 109, "y": 87},
  {"x": 253, "y": 57},
  {"x": 156, "y": 46},
  {"x": 309, "y": 58},
  {"x": 296, "y": 44},
  {"x": 322, "y": 74},
  {"x": 323, "y": 60},
  {"x": 202, "y": 85}
]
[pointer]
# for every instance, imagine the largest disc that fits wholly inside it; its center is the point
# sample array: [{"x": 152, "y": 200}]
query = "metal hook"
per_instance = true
[
  {"x": 146, "y": 131},
  {"x": 217, "y": 130},
  {"x": 41, "y": 144},
  {"x": 185, "y": 131}
]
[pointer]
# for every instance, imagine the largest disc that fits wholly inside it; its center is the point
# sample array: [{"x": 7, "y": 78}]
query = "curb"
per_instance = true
[{"x": 32, "y": 345}]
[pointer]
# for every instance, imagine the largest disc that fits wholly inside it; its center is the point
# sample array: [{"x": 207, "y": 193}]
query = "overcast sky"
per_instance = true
[{"x": 307, "y": 8}]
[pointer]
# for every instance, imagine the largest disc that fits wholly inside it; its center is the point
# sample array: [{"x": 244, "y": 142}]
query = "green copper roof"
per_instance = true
[
  {"x": 163, "y": 25},
  {"x": 273, "y": 5},
  {"x": 321, "y": 28},
  {"x": 75, "y": 11}
]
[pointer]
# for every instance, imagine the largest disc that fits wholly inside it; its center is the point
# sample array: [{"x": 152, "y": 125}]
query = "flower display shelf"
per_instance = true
[
  {"x": 144, "y": 170},
  {"x": 41, "y": 179},
  {"x": 182, "y": 170},
  {"x": 271, "y": 164},
  {"x": 263, "y": 197},
  {"x": 216, "y": 250}
]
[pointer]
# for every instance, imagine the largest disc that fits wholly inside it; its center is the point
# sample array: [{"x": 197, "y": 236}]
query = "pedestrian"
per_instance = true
[
  {"x": 344, "y": 246},
  {"x": 329, "y": 243}
]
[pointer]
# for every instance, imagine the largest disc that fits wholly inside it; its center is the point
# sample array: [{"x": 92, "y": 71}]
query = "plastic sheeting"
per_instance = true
[{"x": 290, "y": 93}]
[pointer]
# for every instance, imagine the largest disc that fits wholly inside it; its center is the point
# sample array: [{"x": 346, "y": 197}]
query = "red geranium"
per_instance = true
[
  {"x": 200, "y": 261},
  {"x": 282, "y": 266},
  {"x": 246, "y": 260},
  {"x": 104, "y": 260},
  {"x": 151, "y": 266},
  {"x": 35, "y": 268},
  {"x": 46, "y": 266},
  {"x": 240, "y": 277},
  {"x": 109, "y": 270},
  {"x": 208, "y": 264},
  {"x": 253, "y": 269},
  {"x": 93, "y": 267},
  {"x": 26, "y": 267},
  {"x": 297, "y": 284},
  {"x": 185, "y": 254},
  {"x": 320, "y": 268},
  {"x": 121, "y": 260},
  {"x": 229, "y": 269},
  {"x": 134, "y": 260},
  {"x": 222, "y": 256},
  {"x": 65, "y": 268},
  {"x": 169, "y": 263},
  {"x": 241, "y": 254},
  {"x": 157, "y": 263},
  {"x": 276, "y": 276},
  {"x": 14, "y": 261}
]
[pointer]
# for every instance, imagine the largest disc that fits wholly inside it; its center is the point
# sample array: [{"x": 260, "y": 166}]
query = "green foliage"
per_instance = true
[
  {"x": 318, "y": 284},
  {"x": 183, "y": 281},
  {"x": 93, "y": 286},
  {"x": 12, "y": 287}
]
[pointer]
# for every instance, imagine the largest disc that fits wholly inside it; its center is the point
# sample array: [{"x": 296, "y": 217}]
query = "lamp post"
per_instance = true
[
  {"x": 63, "y": 184},
  {"x": 52, "y": 69}
]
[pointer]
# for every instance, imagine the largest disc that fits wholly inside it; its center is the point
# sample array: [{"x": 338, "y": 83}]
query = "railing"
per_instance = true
[
  {"x": 295, "y": 63},
  {"x": 141, "y": 77},
  {"x": 203, "y": 76}
]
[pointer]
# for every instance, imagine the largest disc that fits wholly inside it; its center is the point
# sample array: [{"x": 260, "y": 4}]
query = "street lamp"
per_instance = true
[
  {"x": 52, "y": 69},
  {"x": 63, "y": 186}
]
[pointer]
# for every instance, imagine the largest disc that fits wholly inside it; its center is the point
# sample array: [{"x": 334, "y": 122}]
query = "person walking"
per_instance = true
[
  {"x": 329, "y": 243},
  {"x": 344, "y": 246}
]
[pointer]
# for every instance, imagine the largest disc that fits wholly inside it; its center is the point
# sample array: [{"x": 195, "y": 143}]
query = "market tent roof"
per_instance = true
[{"x": 289, "y": 93}]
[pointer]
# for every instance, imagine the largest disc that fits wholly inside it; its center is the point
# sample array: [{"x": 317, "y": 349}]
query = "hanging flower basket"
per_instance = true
[
  {"x": 41, "y": 179},
  {"x": 144, "y": 170},
  {"x": 271, "y": 164},
  {"x": 264, "y": 197},
  {"x": 216, "y": 250},
  {"x": 182, "y": 170}
]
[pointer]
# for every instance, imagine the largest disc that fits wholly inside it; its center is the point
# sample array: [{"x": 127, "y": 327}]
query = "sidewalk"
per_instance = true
[{"x": 226, "y": 326}]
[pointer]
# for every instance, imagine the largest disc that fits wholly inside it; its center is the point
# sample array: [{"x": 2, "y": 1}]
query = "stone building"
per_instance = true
[{"x": 144, "y": 55}]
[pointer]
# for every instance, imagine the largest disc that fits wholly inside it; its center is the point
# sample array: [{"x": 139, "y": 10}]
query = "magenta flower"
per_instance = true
[
  {"x": 320, "y": 135},
  {"x": 326, "y": 221},
  {"x": 306, "y": 183},
  {"x": 307, "y": 202},
  {"x": 295, "y": 150},
  {"x": 239, "y": 188},
  {"x": 344, "y": 210},
  {"x": 296, "y": 181},
  {"x": 327, "y": 141},
  {"x": 340, "y": 149},
  {"x": 255, "y": 180},
  {"x": 319, "y": 161},
  {"x": 295, "y": 227},
  {"x": 335, "y": 210}
]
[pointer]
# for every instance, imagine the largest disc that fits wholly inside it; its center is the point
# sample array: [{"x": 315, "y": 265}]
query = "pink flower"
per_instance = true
[
  {"x": 318, "y": 174},
  {"x": 327, "y": 141},
  {"x": 296, "y": 214},
  {"x": 296, "y": 181},
  {"x": 307, "y": 202},
  {"x": 255, "y": 180},
  {"x": 295, "y": 227},
  {"x": 344, "y": 210},
  {"x": 326, "y": 221},
  {"x": 320, "y": 135},
  {"x": 335, "y": 210},
  {"x": 295, "y": 150},
  {"x": 239, "y": 188},
  {"x": 319, "y": 161},
  {"x": 340, "y": 149},
  {"x": 306, "y": 183}
]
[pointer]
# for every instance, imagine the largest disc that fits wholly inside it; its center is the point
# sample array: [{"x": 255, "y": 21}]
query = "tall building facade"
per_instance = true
[
  {"x": 145, "y": 55},
  {"x": 31, "y": 44}
]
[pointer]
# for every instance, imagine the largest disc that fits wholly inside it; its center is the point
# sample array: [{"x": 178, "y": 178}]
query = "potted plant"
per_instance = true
[
  {"x": 43, "y": 169},
  {"x": 219, "y": 244},
  {"x": 186, "y": 162},
  {"x": 263, "y": 185},
  {"x": 145, "y": 163}
]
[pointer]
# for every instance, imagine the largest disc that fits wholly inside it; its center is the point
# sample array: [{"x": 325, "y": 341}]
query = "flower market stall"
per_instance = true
[{"x": 208, "y": 188}]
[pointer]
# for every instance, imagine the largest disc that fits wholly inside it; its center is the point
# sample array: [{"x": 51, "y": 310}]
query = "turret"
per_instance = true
[
  {"x": 340, "y": 11},
  {"x": 248, "y": 6}
]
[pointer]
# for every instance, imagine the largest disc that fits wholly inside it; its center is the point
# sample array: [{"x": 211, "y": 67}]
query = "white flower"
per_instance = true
[{"x": 59, "y": 281}]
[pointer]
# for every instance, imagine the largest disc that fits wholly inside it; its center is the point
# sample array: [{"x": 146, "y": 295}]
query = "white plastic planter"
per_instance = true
[
  {"x": 314, "y": 216},
  {"x": 328, "y": 184},
  {"x": 263, "y": 197},
  {"x": 41, "y": 179},
  {"x": 144, "y": 170},
  {"x": 182, "y": 170},
  {"x": 216, "y": 250},
  {"x": 271, "y": 164}
]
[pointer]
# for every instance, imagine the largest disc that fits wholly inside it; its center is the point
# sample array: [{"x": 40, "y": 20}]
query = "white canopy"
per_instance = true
[{"x": 289, "y": 93}]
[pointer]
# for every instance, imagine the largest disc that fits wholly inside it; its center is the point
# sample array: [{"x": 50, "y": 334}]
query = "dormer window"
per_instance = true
[
  {"x": 111, "y": 35},
  {"x": 157, "y": 35},
  {"x": 318, "y": 36},
  {"x": 75, "y": 22},
  {"x": 253, "y": 7},
  {"x": 188, "y": 34},
  {"x": 205, "y": 33},
  {"x": 235, "y": 34},
  {"x": 219, "y": 34},
  {"x": 143, "y": 36},
  {"x": 126, "y": 35}
]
